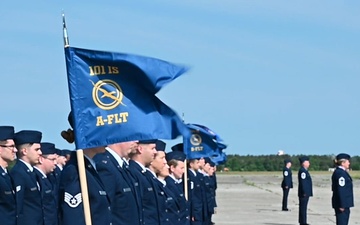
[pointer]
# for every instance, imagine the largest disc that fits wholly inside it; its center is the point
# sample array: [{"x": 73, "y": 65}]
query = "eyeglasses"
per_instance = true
[
  {"x": 51, "y": 159},
  {"x": 11, "y": 147}
]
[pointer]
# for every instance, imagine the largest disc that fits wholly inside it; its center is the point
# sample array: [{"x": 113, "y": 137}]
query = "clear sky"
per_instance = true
[{"x": 265, "y": 75}]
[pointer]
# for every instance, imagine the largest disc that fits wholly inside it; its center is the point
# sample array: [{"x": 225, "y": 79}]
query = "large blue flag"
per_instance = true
[
  {"x": 112, "y": 97},
  {"x": 203, "y": 142}
]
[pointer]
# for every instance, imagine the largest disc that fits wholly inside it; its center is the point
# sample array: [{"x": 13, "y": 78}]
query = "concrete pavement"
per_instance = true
[{"x": 255, "y": 199}]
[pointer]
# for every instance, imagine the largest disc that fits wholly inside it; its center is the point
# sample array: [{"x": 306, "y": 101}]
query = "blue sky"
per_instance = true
[{"x": 265, "y": 75}]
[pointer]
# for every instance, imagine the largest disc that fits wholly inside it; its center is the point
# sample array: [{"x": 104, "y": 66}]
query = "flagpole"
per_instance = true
[
  {"x": 80, "y": 153},
  {"x": 65, "y": 34},
  {"x": 186, "y": 193}
]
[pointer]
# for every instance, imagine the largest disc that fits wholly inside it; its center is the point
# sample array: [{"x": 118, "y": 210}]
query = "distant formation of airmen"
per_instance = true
[
  {"x": 342, "y": 188},
  {"x": 129, "y": 183}
]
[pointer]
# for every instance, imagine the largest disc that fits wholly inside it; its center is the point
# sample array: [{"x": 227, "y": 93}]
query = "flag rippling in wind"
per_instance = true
[
  {"x": 203, "y": 142},
  {"x": 113, "y": 99}
]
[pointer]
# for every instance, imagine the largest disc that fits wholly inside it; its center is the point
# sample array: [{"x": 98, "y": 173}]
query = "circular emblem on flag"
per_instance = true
[
  {"x": 286, "y": 173},
  {"x": 303, "y": 175},
  {"x": 195, "y": 139},
  {"x": 342, "y": 181},
  {"x": 107, "y": 94}
]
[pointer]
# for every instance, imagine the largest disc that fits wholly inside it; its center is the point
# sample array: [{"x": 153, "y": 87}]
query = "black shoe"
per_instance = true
[{"x": 285, "y": 210}]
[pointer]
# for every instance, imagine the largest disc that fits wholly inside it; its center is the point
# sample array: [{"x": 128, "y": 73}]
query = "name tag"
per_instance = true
[
  {"x": 102, "y": 192},
  {"x": 126, "y": 189},
  {"x": 33, "y": 189},
  {"x": 150, "y": 189},
  {"x": 48, "y": 191},
  {"x": 169, "y": 199},
  {"x": 8, "y": 192}
]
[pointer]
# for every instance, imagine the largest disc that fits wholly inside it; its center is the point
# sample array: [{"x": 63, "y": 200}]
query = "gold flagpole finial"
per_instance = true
[{"x": 65, "y": 34}]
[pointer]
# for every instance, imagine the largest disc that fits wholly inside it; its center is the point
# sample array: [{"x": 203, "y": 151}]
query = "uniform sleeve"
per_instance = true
[{"x": 108, "y": 177}]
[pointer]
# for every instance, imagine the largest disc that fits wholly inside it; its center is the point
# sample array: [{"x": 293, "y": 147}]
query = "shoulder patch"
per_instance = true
[
  {"x": 72, "y": 201},
  {"x": 303, "y": 175},
  {"x": 286, "y": 173},
  {"x": 342, "y": 181}
]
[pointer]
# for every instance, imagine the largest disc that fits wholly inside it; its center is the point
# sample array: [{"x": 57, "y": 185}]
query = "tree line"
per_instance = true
[{"x": 276, "y": 162}]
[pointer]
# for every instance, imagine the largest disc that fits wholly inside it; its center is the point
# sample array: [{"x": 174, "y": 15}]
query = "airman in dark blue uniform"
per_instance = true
[
  {"x": 304, "y": 189},
  {"x": 7, "y": 193},
  {"x": 121, "y": 191},
  {"x": 139, "y": 159},
  {"x": 71, "y": 209},
  {"x": 156, "y": 172},
  {"x": 209, "y": 189},
  {"x": 175, "y": 160},
  {"x": 287, "y": 183},
  {"x": 70, "y": 196},
  {"x": 46, "y": 165},
  {"x": 204, "y": 189},
  {"x": 28, "y": 196},
  {"x": 195, "y": 193},
  {"x": 342, "y": 188}
]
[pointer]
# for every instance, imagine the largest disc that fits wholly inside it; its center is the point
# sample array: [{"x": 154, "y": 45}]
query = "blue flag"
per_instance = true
[
  {"x": 219, "y": 157},
  {"x": 113, "y": 100},
  {"x": 202, "y": 142}
]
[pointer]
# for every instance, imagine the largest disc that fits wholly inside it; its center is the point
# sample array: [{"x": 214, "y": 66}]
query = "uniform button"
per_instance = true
[{"x": 166, "y": 210}]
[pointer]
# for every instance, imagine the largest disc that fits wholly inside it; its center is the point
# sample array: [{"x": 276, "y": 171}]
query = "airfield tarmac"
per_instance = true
[{"x": 255, "y": 199}]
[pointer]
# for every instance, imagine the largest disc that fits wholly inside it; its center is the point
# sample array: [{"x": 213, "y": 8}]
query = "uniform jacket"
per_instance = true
[
  {"x": 124, "y": 205},
  {"x": 54, "y": 179},
  {"x": 305, "y": 183},
  {"x": 209, "y": 194},
  {"x": 7, "y": 199},
  {"x": 48, "y": 200},
  {"x": 342, "y": 188},
  {"x": 213, "y": 186},
  {"x": 287, "y": 178},
  {"x": 28, "y": 197},
  {"x": 146, "y": 193},
  {"x": 169, "y": 210},
  {"x": 195, "y": 197},
  {"x": 70, "y": 199},
  {"x": 204, "y": 189},
  {"x": 179, "y": 197}
]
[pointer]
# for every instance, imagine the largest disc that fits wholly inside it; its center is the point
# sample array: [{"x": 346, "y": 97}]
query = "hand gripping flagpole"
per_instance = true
[
  {"x": 80, "y": 154},
  {"x": 186, "y": 192}
]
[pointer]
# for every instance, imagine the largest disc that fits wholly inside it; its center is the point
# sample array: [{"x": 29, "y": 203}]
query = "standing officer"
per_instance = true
[
  {"x": 305, "y": 188},
  {"x": 28, "y": 197},
  {"x": 119, "y": 186},
  {"x": 43, "y": 169},
  {"x": 342, "y": 188},
  {"x": 286, "y": 183},
  {"x": 175, "y": 160},
  {"x": 141, "y": 157},
  {"x": 7, "y": 194},
  {"x": 195, "y": 193},
  {"x": 71, "y": 210}
]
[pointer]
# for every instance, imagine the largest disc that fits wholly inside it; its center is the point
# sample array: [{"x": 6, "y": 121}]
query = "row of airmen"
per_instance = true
[{"x": 129, "y": 183}]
